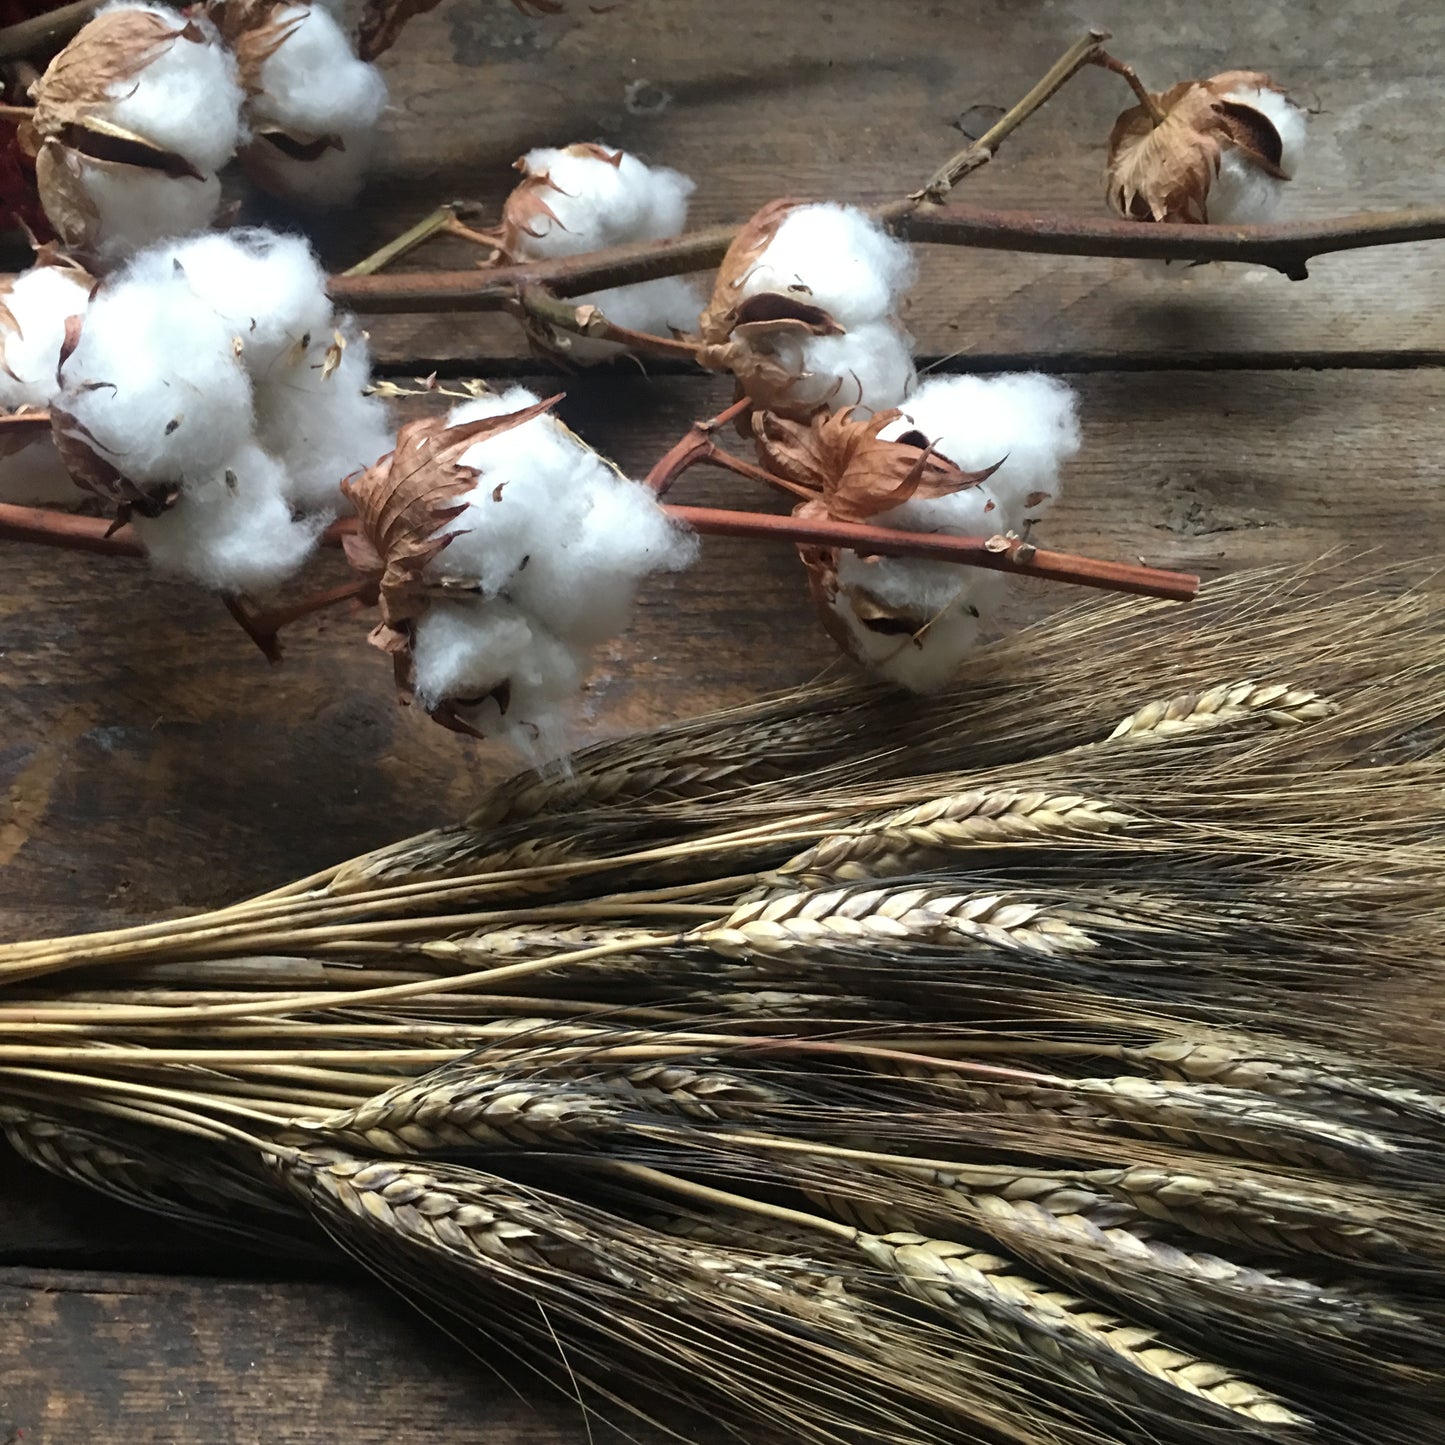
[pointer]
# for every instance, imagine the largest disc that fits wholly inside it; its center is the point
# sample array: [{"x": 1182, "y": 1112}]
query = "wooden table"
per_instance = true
[{"x": 151, "y": 761}]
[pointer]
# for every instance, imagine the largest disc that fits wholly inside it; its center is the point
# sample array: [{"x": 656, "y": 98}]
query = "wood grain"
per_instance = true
[{"x": 177, "y": 1361}]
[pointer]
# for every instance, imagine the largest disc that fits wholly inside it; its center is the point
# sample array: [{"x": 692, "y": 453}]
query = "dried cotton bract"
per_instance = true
[
  {"x": 132, "y": 121},
  {"x": 507, "y": 550},
  {"x": 585, "y": 197},
  {"x": 210, "y": 394},
  {"x": 803, "y": 312},
  {"x": 967, "y": 456},
  {"x": 311, "y": 104},
  {"x": 1221, "y": 153}
]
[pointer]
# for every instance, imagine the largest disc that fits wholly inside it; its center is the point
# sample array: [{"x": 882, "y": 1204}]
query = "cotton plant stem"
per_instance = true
[
  {"x": 409, "y": 240},
  {"x": 262, "y": 627},
  {"x": 998, "y": 554},
  {"x": 1086, "y": 50},
  {"x": 1131, "y": 76},
  {"x": 540, "y": 305},
  {"x": 44, "y": 33}
]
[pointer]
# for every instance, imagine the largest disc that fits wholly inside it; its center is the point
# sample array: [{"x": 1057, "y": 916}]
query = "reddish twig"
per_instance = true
[
  {"x": 263, "y": 628},
  {"x": 997, "y": 554},
  {"x": 692, "y": 448},
  {"x": 61, "y": 529}
]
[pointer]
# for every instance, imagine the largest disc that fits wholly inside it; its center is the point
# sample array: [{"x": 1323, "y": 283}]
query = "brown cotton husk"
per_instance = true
[
  {"x": 764, "y": 350},
  {"x": 91, "y": 472},
  {"x": 527, "y": 203},
  {"x": 1163, "y": 171},
  {"x": 255, "y": 30},
  {"x": 721, "y": 314},
  {"x": 402, "y": 503}
]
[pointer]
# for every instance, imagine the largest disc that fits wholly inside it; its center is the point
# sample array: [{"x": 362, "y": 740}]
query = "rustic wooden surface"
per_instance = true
[{"x": 151, "y": 761}]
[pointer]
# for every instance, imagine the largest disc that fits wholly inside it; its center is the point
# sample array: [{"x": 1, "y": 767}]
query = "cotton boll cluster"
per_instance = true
[
  {"x": 132, "y": 121},
  {"x": 546, "y": 558},
  {"x": 585, "y": 197},
  {"x": 1243, "y": 193},
  {"x": 804, "y": 311},
  {"x": 312, "y": 104},
  {"x": 1028, "y": 424},
  {"x": 214, "y": 393}
]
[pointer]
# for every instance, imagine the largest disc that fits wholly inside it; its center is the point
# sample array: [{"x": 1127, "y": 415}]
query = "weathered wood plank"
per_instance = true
[
  {"x": 852, "y": 102},
  {"x": 173, "y": 1361},
  {"x": 152, "y": 761}
]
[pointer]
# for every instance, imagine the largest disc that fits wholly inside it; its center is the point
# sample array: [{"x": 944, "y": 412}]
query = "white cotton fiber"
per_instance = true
[
  {"x": 313, "y": 84},
  {"x": 231, "y": 528},
  {"x": 323, "y": 427},
  {"x": 870, "y": 368},
  {"x": 465, "y": 651},
  {"x": 35, "y": 476},
  {"x": 187, "y": 100},
  {"x": 553, "y": 543},
  {"x": 156, "y": 383},
  {"x": 836, "y": 257},
  {"x": 137, "y": 207},
  {"x": 597, "y": 203},
  {"x": 1241, "y": 193},
  {"x": 331, "y": 179},
  {"x": 930, "y": 660},
  {"x": 267, "y": 288},
  {"x": 1028, "y": 422},
  {"x": 40, "y": 300}
]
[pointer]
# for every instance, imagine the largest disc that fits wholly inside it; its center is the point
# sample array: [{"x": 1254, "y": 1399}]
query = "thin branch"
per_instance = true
[
  {"x": 409, "y": 239},
  {"x": 686, "y": 453},
  {"x": 70, "y": 533},
  {"x": 996, "y": 554},
  {"x": 1141, "y": 91},
  {"x": 45, "y": 33},
  {"x": 588, "y": 320},
  {"x": 263, "y": 628},
  {"x": 1086, "y": 50},
  {"x": 1286, "y": 246}
]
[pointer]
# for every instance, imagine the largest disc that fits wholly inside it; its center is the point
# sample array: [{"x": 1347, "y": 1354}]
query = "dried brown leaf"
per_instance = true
[
  {"x": 382, "y": 22},
  {"x": 104, "y": 56},
  {"x": 255, "y": 30},
  {"x": 718, "y": 320},
  {"x": 1163, "y": 171},
  {"x": 402, "y": 504},
  {"x": 854, "y": 471}
]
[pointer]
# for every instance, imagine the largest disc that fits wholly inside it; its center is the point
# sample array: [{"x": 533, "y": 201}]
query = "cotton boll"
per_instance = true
[
  {"x": 332, "y": 178},
  {"x": 597, "y": 200},
  {"x": 155, "y": 382},
  {"x": 500, "y": 673},
  {"x": 930, "y": 660},
  {"x": 187, "y": 100},
  {"x": 313, "y": 85},
  {"x": 136, "y": 207},
  {"x": 836, "y": 257},
  {"x": 323, "y": 427},
  {"x": 1027, "y": 422},
  {"x": 231, "y": 528},
  {"x": 267, "y": 288},
  {"x": 1288, "y": 119},
  {"x": 40, "y": 300},
  {"x": 35, "y": 476}
]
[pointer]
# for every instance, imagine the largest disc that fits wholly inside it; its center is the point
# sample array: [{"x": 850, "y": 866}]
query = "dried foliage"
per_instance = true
[
  {"x": 1161, "y": 169},
  {"x": 984, "y": 1067}
]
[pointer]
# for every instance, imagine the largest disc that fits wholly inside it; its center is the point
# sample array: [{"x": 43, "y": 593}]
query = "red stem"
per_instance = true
[
  {"x": 692, "y": 447},
  {"x": 998, "y": 554}
]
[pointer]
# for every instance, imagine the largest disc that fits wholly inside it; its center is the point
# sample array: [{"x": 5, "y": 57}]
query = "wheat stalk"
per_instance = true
[
  {"x": 991, "y": 1295},
  {"x": 1191, "y": 712},
  {"x": 857, "y": 916},
  {"x": 929, "y": 834}
]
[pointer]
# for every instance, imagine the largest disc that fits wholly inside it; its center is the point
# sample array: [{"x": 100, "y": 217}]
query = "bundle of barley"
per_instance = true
[{"x": 1056, "y": 1060}]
